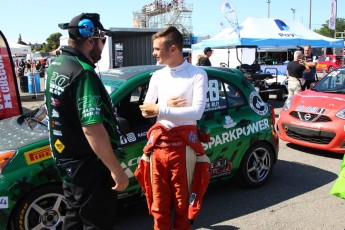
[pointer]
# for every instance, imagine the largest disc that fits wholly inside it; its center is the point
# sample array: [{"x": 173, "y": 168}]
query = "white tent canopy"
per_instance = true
[
  {"x": 269, "y": 33},
  {"x": 18, "y": 49}
]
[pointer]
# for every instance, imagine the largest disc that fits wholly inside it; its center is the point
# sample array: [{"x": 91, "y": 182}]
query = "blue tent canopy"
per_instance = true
[{"x": 269, "y": 33}]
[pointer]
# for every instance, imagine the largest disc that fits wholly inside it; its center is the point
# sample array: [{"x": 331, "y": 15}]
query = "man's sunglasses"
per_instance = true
[{"x": 104, "y": 39}]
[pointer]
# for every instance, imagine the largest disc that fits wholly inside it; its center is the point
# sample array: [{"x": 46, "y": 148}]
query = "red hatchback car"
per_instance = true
[
  {"x": 329, "y": 62},
  {"x": 315, "y": 118}
]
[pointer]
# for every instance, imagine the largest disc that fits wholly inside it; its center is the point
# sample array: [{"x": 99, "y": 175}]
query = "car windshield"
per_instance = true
[
  {"x": 35, "y": 120},
  {"x": 332, "y": 83},
  {"x": 114, "y": 78}
]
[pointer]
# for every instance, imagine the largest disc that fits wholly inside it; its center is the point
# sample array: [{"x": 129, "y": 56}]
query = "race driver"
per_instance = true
[{"x": 173, "y": 150}]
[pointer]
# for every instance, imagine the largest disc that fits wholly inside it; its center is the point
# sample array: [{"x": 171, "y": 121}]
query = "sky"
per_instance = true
[{"x": 36, "y": 20}]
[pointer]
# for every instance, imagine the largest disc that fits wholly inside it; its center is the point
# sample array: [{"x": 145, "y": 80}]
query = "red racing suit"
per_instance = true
[{"x": 174, "y": 170}]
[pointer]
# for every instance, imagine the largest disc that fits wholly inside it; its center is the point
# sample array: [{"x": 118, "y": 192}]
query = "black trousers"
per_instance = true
[
  {"x": 91, "y": 203},
  {"x": 307, "y": 84}
]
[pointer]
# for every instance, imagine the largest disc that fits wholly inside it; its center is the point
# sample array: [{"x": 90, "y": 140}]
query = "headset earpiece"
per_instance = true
[{"x": 86, "y": 28}]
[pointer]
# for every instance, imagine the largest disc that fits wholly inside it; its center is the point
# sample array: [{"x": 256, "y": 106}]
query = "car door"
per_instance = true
[
  {"x": 226, "y": 111},
  {"x": 133, "y": 137}
]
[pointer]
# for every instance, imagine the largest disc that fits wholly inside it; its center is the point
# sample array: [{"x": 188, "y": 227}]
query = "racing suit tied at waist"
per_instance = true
[
  {"x": 198, "y": 164},
  {"x": 159, "y": 135}
]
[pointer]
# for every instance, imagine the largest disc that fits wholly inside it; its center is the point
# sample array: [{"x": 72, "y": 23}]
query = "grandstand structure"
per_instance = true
[{"x": 161, "y": 14}]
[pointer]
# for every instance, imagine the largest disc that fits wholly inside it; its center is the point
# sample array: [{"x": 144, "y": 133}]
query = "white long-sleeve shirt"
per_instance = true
[{"x": 186, "y": 81}]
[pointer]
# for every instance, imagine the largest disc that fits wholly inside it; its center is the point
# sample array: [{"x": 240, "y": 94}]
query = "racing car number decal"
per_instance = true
[{"x": 3, "y": 202}]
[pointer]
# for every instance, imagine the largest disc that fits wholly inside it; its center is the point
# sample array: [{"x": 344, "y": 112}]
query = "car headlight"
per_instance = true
[
  {"x": 5, "y": 157},
  {"x": 341, "y": 114},
  {"x": 287, "y": 103}
]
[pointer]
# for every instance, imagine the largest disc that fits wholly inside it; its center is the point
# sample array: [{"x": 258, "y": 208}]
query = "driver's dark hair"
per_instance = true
[{"x": 172, "y": 36}]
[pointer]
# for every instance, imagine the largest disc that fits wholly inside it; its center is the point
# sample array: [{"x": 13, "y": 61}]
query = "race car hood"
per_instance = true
[
  {"x": 15, "y": 135},
  {"x": 310, "y": 98}
]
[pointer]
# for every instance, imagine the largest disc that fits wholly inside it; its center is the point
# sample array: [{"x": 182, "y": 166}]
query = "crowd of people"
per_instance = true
[{"x": 22, "y": 67}]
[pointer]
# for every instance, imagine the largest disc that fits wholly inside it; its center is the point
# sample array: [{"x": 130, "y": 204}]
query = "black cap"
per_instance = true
[
  {"x": 84, "y": 25},
  {"x": 207, "y": 49}
]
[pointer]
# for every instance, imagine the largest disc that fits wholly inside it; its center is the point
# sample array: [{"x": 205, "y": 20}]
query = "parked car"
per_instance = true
[
  {"x": 315, "y": 118},
  {"x": 243, "y": 144},
  {"x": 329, "y": 62}
]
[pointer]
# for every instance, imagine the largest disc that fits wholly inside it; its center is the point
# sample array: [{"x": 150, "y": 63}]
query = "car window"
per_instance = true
[
  {"x": 332, "y": 82},
  {"x": 322, "y": 58},
  {"x": 128, "y": 108},
  {"x": 222, "y": 95}
]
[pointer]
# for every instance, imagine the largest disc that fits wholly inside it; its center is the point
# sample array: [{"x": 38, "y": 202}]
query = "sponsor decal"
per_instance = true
[
  {"x": 129, "y": 138},
  {"x": 221, "y": 167},
  {"x": 237, "y": 133},
  {"x": 37, "y": 155},
  {"x": 281, "y": 25},
  {"x": 306, "y": 124},
  {"x": 257, "y": 104},
  {"x": 55, "y": 113},
  {"x": 55, "y": 123},
  {"x": 3, "y": 202},
  {"x": 192, "y": 198},
  {"x": 193, "y": 137},
  {"x": 285, "y": 29},
  {"x": 58, "y": 83},
  {"x": 54, "y": 101},
  {"x": 131, "y": 163},
  {"x": 59, "y": 146},
  {"x": 90, "y": 105},
  {"x": 229, "y": 122},
  {"x": 310, "y": 109},
  {"x": 57, "y": 132}
]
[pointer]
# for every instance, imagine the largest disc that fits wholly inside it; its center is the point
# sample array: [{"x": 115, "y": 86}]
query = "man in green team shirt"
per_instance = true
[{"x": 82, "y": 128}]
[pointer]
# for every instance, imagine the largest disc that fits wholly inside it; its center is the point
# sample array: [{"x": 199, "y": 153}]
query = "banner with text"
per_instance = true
[
  {"x": 333, "y": 16},
  {"x": 10, "y": 104}
]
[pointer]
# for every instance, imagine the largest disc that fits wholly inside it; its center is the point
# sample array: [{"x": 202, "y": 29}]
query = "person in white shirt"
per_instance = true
[{"x": 180, "y": 89}]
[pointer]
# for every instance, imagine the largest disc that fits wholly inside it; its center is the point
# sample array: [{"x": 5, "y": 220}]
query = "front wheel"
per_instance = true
[
  {"x": 330, "y": 69},
  {"x": 43, "y": 208},
  {"x": 257, "y": 165}
]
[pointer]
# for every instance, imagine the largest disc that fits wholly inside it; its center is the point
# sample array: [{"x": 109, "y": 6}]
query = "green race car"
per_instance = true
[{"x": 243, "y": 143}]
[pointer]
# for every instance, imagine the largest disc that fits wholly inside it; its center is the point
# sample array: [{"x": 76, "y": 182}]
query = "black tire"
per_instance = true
[
  {"x": 281, "y": 95},
  {"x": 265, "y": 96},
  {"x": 257, "y": 165},
  {"x": 330, "y": 69},
  {"x": 43, "y": 208}
]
